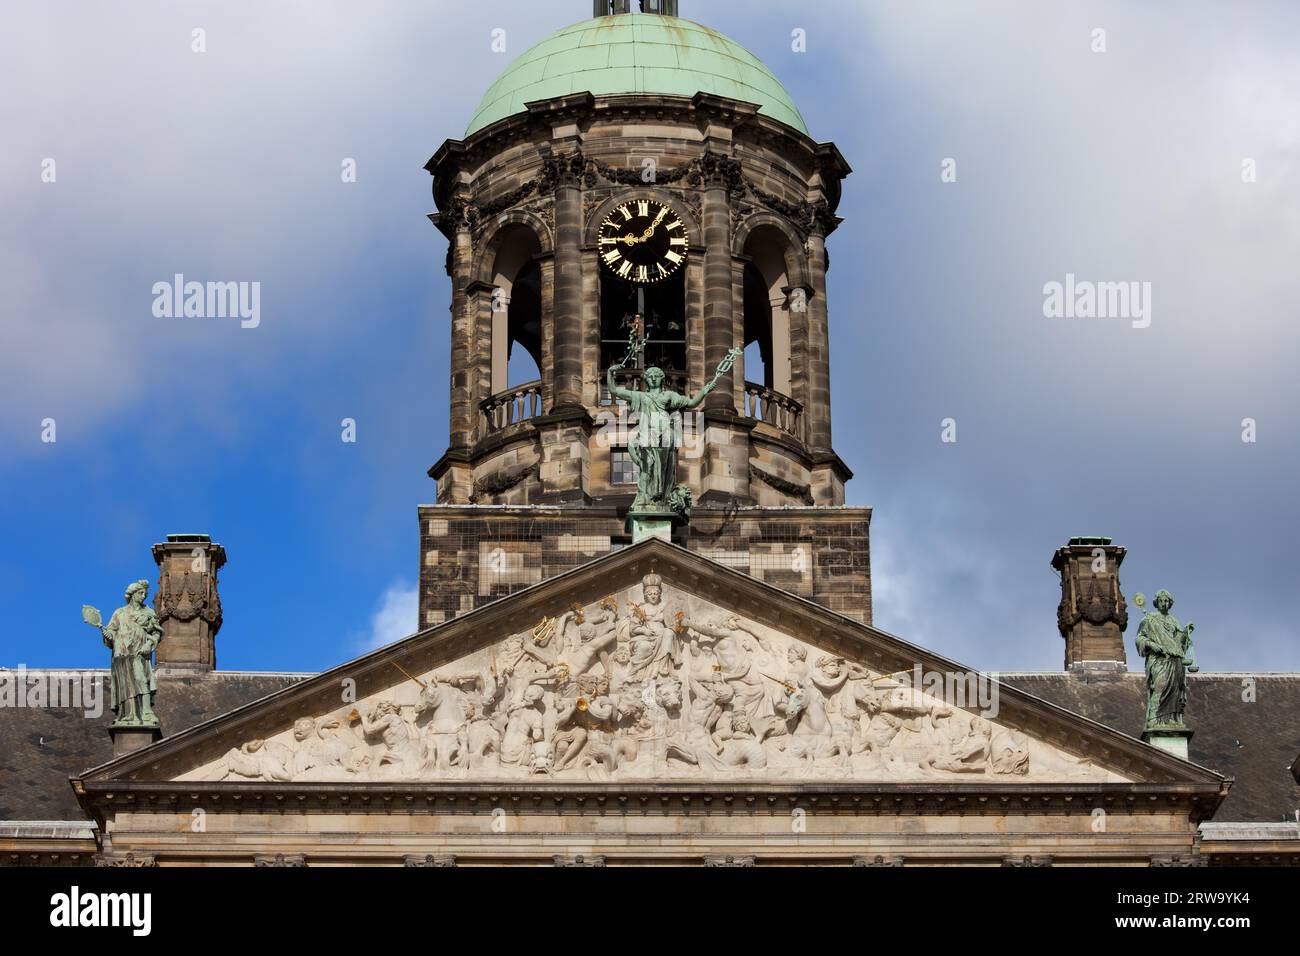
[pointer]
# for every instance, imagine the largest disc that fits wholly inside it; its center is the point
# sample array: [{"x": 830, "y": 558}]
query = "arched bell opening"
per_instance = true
[
  {"x": 769, "y": 353},
  {"x": 514, "y": 376},
  {"x": 661, "y": 307}
]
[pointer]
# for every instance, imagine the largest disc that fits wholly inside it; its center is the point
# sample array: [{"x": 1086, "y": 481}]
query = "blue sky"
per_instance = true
[{"x": 1114, "y": 166}]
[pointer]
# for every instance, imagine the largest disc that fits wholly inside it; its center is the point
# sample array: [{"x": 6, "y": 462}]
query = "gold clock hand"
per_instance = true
[{"x": 650, "y": 231}]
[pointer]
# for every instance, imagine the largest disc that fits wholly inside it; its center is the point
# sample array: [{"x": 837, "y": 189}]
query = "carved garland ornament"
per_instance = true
[
  {"x": 501, "y": 481},
  {"x": 710, "y": 169},
  {"x": 193, "y": 594},
  {"x": 784, "y": 485},
  {"x": 1092, "y": 599}
]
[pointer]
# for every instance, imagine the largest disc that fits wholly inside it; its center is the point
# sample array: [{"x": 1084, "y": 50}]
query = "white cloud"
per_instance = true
[{"x": 396, "y": 616}]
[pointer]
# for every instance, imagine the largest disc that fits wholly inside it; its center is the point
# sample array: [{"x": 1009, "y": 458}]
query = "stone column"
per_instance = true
[
  {"x": 719, "y": 303},
  {"x": 568, "y": 290},
  {"x": 564, "y": 432},
  {"x": 464, "y": 320},
  {"x": 187, "y": 602},
  {"x": 546, "y": 265},
  {"x": 817, "y": 409},
  {"x": 452, "y": 472}
]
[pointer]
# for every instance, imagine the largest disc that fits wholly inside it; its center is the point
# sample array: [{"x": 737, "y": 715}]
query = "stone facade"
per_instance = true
[
  {"x": 837, "y": 748},
  {"x": 534, "y": 188},
  {"x": 471, "y": 556}
]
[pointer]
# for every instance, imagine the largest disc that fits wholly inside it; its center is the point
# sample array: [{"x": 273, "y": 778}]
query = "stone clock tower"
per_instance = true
[{"x": 637, "y": 170}]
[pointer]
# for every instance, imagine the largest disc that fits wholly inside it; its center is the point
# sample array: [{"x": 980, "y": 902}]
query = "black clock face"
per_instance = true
[{"x": 643, "y": 241}]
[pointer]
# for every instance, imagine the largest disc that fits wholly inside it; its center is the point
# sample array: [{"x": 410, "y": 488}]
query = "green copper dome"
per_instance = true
[{"x": 636, "y": 53}]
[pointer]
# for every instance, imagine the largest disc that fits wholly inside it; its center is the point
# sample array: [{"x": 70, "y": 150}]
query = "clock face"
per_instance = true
[{"x": 643, "y": 241}]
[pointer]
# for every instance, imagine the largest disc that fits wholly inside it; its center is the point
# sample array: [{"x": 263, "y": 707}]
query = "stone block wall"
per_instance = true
[{"x": 472, "y": 555}]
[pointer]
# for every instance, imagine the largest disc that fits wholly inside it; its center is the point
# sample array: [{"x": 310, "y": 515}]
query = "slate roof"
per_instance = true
[
  {"x": 1253, "y": 742},
  {"x": 40, "y": 748}
]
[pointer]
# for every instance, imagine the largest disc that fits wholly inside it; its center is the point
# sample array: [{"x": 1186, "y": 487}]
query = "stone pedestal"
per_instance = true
[
  {"x": 129, "y": 739},
  {"x": 648, "y": 524},
  {"x": 1171, "y": 741}
]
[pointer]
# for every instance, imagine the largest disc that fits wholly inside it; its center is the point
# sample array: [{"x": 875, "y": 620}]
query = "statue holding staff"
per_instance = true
[
  {"x": 653, "y": 447},
  {"x": 1167, "y": 647}
]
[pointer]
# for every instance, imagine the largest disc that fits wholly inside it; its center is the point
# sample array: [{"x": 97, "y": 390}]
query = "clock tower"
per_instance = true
[{"x": 637, "y": 172}]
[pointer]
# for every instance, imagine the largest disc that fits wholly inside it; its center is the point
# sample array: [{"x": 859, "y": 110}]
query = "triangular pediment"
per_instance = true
[{"x": 651, "y": 665}]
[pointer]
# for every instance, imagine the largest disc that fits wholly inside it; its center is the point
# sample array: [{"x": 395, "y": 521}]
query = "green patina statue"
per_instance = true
[
  {"x": 653, "y": 447},
  {"x": 1167, "y": 647},
  {"x": 132, "y": 633}
]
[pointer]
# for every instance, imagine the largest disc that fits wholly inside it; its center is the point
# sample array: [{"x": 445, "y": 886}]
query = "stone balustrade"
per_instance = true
[
  {"x": 514, "y": 405},
  {"x": 772, "y": 407}
]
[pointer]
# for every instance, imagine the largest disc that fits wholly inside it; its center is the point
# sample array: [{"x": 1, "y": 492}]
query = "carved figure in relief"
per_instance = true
[
  {"x": 1009, "y": 752},
  {"x": 319, "y": 753},
  {"x": 736, "y": 744},
  {"x": 524, "y": 727},
  {"x": 652, "y": 637},
  {"x": 482, "y": 738},
  {"x": 516, "y": 668},
  {"x": 577, "y": 716},
  {"x": 339, "y": 756},
  {"x": 446, "y": 742},
  {"x": 960, "y": 749},
  {"x": 255, "y": 760},
  {"x": 620, "y": 689},
  {"x": 727, "y": 651},
  {"x": 670, "y": 738},
  {"x": 617, "y": 727},
  {"x": 402, "y": 757},
  {"x": 540, "y": 757},
  {"x": 807, "y": 715}
]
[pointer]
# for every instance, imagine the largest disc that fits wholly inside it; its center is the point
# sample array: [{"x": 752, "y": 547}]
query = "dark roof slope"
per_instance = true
[
  {"x": 41, "y": 747},
  {"x": 1254, "y": 742}
]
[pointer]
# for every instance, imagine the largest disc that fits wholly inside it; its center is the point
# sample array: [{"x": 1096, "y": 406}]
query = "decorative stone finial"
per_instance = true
[
  {"x": 1092, "y": 614},
  {"x": 187, "y": 602}
]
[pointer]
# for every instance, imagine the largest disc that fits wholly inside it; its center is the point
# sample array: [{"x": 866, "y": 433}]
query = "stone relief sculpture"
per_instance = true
[{"x": 647, "y": 685}]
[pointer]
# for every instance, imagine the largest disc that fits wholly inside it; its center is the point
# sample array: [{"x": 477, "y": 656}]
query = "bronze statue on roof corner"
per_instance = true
[
  {"x": 1170, "y": 657},
  {"x": 132, "y": 633}
]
